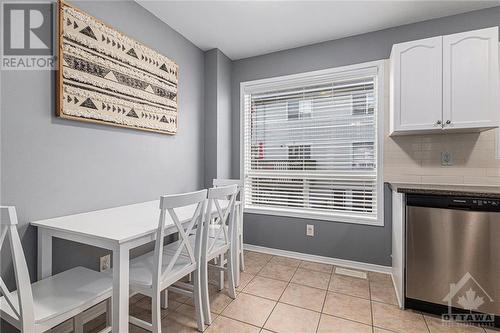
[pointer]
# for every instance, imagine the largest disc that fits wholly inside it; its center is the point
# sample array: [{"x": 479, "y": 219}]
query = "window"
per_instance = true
[
  {"x": 362, "y": 101},
  {"x": 292, "y": 109},
  {"x": 363, "y": 155},
  {"x": 311, "y": 144},
  {"x": 299, "y": 109}
]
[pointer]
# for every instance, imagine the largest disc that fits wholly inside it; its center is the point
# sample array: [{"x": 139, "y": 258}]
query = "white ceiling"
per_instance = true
[{"x": 243, "y": 29}]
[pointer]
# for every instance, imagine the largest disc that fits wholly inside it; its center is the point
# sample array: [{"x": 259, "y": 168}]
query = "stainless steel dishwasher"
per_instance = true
[{"x": 453, "y": 254}]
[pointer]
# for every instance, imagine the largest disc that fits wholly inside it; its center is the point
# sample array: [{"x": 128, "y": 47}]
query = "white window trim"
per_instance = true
[
  {"x": 498, "y": 130},
  {"x": 294, "y": 80}
]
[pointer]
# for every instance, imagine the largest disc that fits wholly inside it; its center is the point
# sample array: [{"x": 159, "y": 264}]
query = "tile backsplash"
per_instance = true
[{"x": 417, "y": 159}]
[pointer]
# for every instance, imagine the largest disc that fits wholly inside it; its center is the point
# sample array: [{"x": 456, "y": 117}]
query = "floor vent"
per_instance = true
[{"x": 350, "y": 272}]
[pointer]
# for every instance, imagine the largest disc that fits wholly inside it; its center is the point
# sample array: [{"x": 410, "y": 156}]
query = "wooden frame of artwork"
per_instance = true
[{"x": 108, "y": 78}]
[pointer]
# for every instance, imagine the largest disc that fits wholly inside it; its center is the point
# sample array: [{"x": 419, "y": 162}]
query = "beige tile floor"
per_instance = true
[{"x": 284, "y": 295}]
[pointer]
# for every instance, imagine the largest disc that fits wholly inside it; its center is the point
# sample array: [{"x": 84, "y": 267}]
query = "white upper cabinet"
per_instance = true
[
  {"x": 470, "y": 77},
  {"x": 416, "y": 83},
  {"x": 445, "y": 83}
]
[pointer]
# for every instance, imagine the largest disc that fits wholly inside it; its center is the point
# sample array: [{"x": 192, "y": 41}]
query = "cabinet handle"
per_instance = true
[
  {"x": 438, "y": 122},
  {"x": 448, "y": 122}
]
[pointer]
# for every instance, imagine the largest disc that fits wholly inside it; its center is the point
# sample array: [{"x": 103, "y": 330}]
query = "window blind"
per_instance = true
[{"x": 312, "y": 148}]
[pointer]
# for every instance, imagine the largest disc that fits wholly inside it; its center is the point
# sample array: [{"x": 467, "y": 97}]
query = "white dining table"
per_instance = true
[{"x": 117, "y": 229}]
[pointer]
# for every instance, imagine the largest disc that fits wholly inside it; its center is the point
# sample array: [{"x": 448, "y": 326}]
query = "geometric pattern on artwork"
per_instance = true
[
  {"x": 87, "y": 31},
  {"x": 88, "y": 104},
  {"x": 132, "y": 114},
  {"x": 108, "y": 77},
  {"x": 132, "y": 53}
]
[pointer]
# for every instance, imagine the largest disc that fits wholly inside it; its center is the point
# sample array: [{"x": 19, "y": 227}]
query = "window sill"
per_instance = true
[{"x": 342, "y": 218}]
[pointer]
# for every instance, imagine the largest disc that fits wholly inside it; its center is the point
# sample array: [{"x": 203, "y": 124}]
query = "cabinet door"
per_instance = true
[
  {"x": 416, "y": 85},
  {"x": 470, "y": 79}
]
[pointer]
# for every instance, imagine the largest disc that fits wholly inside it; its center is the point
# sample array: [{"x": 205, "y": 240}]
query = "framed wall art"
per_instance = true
[{"x": 107, "y": 77}]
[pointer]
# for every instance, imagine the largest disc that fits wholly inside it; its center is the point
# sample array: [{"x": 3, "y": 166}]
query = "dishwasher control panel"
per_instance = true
[{"x": 450, "y": 202}]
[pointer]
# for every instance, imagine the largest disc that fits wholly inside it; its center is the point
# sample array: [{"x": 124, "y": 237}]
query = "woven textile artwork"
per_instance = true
[{"x": 107, "y": 77}]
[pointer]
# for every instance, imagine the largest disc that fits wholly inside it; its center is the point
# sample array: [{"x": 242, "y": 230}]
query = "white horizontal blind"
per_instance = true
[{"x": 313, "y": 147}]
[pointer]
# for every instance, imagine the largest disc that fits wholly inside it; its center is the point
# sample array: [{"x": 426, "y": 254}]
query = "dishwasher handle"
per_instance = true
[{"x": 460, "y": 204}]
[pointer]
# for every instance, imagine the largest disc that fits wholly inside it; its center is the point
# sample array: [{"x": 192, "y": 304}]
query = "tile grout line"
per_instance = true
[
  {"x": 320, "y": 313},
  {"x": 225, "y": 307},
  {"x": 288, "y": 283},
  {"x": 279, "y": 301},
  {"x": 391, "y": 330},
  {"x": 325, "y": 290},
  {"x": 254, "y": 276},
  {"x": 261, "y": 267},
  {"x": 232, "y": 300},
  {"x": 382, "y": 328},
  {"x": 425, "y": 322},
  {"x": 183, "y": 301},
  {"x": 350, "y": 320},
  {"x": 324, "y": 300},
  {"x": 300, "y": 307},
  {"x": 274, "y": 307},
  {"x": 380, "y": 302},
  {"x": 217, "y": 314},
  {"x": 350, "y": 295},
  {"x": 371, "y": 303},
  {"x": 240, "y": 321},
  {"x": 332, "y": 274}
]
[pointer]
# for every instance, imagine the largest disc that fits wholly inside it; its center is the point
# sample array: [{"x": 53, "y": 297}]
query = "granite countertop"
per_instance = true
[{"x": 448, "y": 190}]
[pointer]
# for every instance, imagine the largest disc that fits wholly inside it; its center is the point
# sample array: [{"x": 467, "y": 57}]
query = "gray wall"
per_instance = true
[
  {"x": 217, "y": 116},
  {"x": 224, "y": 67},
  {"x": 210, "y": 116},
  {"x": 339, "y": 240},
  {"x": 52, "y": 167}
]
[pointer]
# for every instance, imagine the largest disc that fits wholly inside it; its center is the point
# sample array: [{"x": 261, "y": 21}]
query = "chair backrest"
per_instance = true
[
  {"x": 222, "y": 227},
  {"x": 185, "y": 228},
  {"x": 22, "y": 305},
  {"x": 219, "y": 182}
]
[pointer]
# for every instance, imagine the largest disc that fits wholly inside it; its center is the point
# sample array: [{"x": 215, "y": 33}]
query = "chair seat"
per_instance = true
[
  {"x": 220, "y": 244},
  {"x": 171, "y": 248},
  {"x": 77, "y": 288},
  {"x": 141, "y": 268}
]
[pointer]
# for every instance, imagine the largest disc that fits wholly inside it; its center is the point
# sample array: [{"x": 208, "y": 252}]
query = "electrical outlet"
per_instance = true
[
  {"x": 310, "y": 230},
  {"x": 446, "y": 158},
  {"x": 105, "y": 263}
]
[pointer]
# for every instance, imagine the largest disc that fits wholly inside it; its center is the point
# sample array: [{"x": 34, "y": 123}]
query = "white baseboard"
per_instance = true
[
  {"x": 400, "y": 300},
  {"x": 320, "y": 259}
]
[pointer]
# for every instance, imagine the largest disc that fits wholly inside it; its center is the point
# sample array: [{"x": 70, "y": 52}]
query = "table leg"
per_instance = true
[
  {"x": 164, "y": 299},
  {"x": 44, "y": 253},
  {"x": 120, "y": 299}
]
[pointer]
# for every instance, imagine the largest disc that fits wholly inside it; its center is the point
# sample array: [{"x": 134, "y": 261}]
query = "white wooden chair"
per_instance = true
[
  {"x": 40, "y": 306},
  {"x": 219, "y": 236},
  {"x": 239, "y": 213},
  {"x": 154, "y": 272}
]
